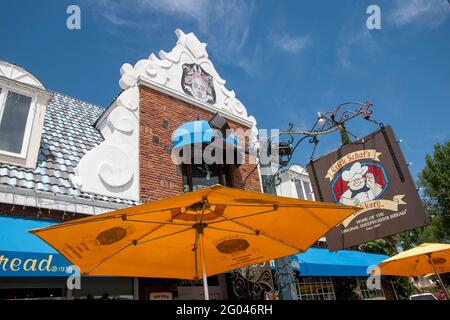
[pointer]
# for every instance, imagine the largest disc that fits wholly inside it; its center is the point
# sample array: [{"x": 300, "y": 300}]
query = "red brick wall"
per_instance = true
[{"x": 159, "y": 176}]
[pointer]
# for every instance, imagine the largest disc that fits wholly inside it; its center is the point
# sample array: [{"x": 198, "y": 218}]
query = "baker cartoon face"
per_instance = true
[
  {"x": 362, "y": 185},
  {"x": 355, "y": 176}
]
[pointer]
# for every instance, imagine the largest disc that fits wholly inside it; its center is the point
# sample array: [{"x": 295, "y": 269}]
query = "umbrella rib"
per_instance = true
[
  {"x": 319, "y": 219},
  {"x": 160, "y": 222},
  {"x": 129, "y": 244},
  {"x": 107, "y": 258},
  {"x": 284, "y": 205},
  {"x": 240, "y": 217},
  {"x": 164, "y": 236},
  {"x": 257, "y": 231},
  {"x": 417, "y": 264},
  {"x": 229, "y": 230},
  {"x": 118, "y": 215}
]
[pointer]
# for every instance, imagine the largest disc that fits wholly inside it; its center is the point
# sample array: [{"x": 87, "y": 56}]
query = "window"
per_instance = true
[
  {"x": 299, "y": 188},
  {"x": 15, "y": 122},
  {"x": 366, "y": 293},
  {"x": 308, "y": 191},
  {"x": 199, "y": 176},
  {"x": 304, "y": 190},
  {"x": 316, "y": 288}
]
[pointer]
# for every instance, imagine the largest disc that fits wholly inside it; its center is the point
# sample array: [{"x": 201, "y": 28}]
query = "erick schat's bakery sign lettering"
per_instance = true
[{"x": 372, "y": 174}]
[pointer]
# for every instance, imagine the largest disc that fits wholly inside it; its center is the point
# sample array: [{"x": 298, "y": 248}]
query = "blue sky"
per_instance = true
[{"x": 286, "y": 60}]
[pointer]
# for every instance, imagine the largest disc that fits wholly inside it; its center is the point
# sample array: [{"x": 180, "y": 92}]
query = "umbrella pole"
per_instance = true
[
  {"x": 440, "y": 280},
  {"x": 205, "y": 279}
]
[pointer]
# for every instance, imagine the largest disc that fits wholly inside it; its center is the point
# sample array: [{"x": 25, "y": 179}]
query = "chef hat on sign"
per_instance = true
[{"x": 356, "y": 171}]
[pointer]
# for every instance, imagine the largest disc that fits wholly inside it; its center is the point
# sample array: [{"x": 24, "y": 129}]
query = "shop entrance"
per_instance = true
[{"x": 33, "y": 288}]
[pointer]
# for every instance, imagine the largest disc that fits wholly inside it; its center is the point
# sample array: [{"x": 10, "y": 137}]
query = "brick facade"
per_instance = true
[{"x": 160, "y": 115}]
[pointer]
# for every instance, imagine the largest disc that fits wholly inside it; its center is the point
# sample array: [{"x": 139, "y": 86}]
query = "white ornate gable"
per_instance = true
[
  {"x": 112, "y": 168},
  {"x": 165, "y": 73}
]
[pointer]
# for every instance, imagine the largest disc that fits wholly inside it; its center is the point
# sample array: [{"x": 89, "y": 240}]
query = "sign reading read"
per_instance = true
[
  {"x": 370, "y": 173},
  {"x": 19, "y": 264}
]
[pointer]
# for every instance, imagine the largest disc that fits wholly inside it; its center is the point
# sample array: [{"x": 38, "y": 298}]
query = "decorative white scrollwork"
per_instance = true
[
  {"x": 112, "y": 168},
  {"x": 167, "y": 71}
]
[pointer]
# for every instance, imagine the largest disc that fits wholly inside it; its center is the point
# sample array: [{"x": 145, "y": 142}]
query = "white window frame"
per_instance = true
[
  {"x": 321, "y": 281},
  {"x": 302, "y": 181},
  {"x": 311, "y": 193},
  {"x": 30, "y": 119}
]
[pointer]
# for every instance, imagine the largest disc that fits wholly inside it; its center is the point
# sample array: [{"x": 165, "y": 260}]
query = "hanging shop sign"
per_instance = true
[{"x": 370, "y": 173}]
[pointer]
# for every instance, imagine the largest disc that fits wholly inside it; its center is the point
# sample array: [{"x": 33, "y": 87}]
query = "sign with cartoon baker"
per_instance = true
[{"x": 370, "y": 173}]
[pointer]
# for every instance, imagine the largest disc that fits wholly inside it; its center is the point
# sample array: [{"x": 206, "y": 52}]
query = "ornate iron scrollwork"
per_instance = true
[{"x": 253, "y": 282}]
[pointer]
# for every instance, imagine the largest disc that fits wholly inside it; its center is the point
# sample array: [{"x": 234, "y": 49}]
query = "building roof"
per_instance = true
[{"x": 68, "y": 133}]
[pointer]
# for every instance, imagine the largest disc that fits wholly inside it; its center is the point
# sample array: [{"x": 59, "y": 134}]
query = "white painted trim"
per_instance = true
[
  {"x": 14, "y": 84},
  {"x": 29, "y": 123},
  {"x": 305, "y": 196},
  {"x": 47, "y": 200},
  {"x": 19, "y": 74}
]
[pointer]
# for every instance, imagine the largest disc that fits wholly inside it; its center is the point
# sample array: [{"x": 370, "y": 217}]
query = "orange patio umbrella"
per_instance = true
[
  {"x": 193, "y": 235},
  {"x": 421, "y": 260}
]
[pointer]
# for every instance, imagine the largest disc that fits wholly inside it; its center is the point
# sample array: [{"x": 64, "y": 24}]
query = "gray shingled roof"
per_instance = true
[{"x": 68, "y": 133}]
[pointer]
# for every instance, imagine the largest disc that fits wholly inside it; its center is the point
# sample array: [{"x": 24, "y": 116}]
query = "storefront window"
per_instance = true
[
  {"x": 316, "y": 288},
  {"x": 200, "y": 176},
  {"x": 366, "y": 293}
]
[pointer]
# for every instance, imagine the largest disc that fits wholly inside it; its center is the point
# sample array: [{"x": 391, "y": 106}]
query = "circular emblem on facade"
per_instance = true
[
  {"x": 197, "y": 83},
  {"x": 232, "y": 246}
]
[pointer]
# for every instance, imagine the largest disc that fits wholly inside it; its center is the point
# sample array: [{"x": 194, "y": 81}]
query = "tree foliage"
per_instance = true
[{"x": 434, "y": 181}]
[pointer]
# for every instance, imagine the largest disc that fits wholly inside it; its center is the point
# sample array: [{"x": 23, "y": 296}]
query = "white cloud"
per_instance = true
[
  {"x": 354, "y": 41},
  {"x": 428, "y": 12},
  {"x": 291, "y": 44},
  {"x": 223, "y": 24}
]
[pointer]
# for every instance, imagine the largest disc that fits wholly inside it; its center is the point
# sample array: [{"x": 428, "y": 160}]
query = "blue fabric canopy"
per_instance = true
[
  {"x": 24, "y": 254},
  {"x": 197, "y": 132},
  {"x": 321, "y": 262},
  {"x": 14, "y": 235}
]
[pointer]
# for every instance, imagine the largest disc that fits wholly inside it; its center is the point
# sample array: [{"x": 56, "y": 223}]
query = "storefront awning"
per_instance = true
[
  {"x": 198, "y": 132},
  {"x": 23, "y": 254},
  {"x": 321, "y": 262}
]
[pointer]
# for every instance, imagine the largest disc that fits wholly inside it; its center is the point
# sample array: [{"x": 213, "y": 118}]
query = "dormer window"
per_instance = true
[
  {"x": 23, "y": 100},
  {"x": 16, "y": 116}
]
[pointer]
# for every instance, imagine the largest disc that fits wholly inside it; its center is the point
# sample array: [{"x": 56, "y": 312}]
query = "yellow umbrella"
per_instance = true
[
  {"x": 424, "y": 259},
  {"x": 201, "y": 233}
]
